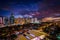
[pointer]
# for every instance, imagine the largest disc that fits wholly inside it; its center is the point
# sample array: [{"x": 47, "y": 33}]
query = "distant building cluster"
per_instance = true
[
  {"x": 51, "y": 19},
  {"x": 19, "y": 20},
  {"x": 26, "y": 20},
  {"x": 6, "y": 20}
]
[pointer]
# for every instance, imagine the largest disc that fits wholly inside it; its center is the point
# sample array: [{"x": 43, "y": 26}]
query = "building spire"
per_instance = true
[{"x": 12, "y": 19}]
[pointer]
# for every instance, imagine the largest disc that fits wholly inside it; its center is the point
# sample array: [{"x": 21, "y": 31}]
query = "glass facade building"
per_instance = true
[{"x": 12, "y": 19}]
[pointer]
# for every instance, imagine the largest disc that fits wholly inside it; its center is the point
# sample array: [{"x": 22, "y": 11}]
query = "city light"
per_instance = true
[{"x": 29, "y": 19}]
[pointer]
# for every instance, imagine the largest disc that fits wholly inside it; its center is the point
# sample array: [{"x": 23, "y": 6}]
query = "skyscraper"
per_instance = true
[
  {"x": 12, "y": 19},
  {"x": 1, "y": 20},
  {"x": 6, "y": 20}
]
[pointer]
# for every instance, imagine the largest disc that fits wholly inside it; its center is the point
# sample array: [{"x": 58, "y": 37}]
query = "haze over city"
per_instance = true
[{"x": 35, "y": 8}]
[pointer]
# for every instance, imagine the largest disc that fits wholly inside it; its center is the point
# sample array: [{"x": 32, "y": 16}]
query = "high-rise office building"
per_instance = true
[
  {"x": 1, "y": 21},
  {"x": 6, "y": 21},
  {"x": 34, "y": 20},
  {"x": 12, "y": 19}
]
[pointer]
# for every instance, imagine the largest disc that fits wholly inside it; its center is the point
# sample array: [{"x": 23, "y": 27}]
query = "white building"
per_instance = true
[
  {"x": 34, "y": 20},
  {"x": 1, "y": 21}
]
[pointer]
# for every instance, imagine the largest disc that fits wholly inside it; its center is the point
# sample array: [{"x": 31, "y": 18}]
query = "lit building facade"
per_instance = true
[
  {"x": 51, "y": 19},
  {"x": 1, "y": 21},
  {"x": 19, "y": 21},
  {"x": 34, "y": 20},
  {"x": 5, "y": 21},
  {"x": 1, "y": 18},
  {"x": 12, "y": 19},
  {"x": 27, "y": 20}
]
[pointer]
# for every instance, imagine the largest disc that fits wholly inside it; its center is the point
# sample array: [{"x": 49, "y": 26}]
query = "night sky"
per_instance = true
[{"x": 36, "y": 8}]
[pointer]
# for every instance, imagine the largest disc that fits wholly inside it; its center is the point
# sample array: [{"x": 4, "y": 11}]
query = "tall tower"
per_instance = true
[
  {"x": 1, "y": 20},
  {"x": 6, "y": 20},
  {"x": 12, "y": 19}
]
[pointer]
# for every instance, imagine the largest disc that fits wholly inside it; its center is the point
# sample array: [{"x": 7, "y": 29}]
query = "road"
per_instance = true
[{"x": 34, "y": 32}]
